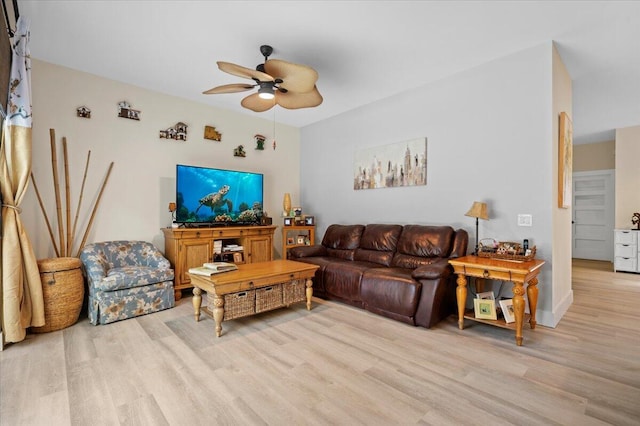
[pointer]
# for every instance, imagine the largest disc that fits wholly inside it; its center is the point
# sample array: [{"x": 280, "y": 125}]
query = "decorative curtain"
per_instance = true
[{"x": 20, "y": 286}]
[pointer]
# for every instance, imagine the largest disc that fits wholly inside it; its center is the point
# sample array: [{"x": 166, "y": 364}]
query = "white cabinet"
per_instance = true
[{"x": 626, "y": 254}]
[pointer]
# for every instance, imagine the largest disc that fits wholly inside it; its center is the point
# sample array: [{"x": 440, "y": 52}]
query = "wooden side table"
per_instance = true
[
  {"x": 295, "y": 236},
  {"x": 495, "y": 269}
]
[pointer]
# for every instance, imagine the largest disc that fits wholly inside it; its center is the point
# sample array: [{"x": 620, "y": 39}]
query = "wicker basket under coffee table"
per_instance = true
[{"x": 253, "y": 288}]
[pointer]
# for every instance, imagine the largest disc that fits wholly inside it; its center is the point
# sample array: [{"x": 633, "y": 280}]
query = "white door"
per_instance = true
[{"x": 593, "y": 208}]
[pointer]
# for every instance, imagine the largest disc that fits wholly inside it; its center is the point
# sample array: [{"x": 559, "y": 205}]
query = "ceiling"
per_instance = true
[{"x": 363, "y": 51}]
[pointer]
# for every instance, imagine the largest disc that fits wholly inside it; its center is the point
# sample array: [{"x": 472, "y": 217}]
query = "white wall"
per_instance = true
[
  {"x": 135, "y": 201},
  {"x": 562, "y": 293},
  {"x": 627, "y": 175},
  {"x": 490, "y": 138}
]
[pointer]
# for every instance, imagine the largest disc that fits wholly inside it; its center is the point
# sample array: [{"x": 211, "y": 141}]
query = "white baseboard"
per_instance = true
[{"x": 551, "y": 319}]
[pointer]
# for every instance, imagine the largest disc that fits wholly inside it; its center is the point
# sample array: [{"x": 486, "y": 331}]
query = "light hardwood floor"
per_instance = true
[{"x": 335, "y": 365}]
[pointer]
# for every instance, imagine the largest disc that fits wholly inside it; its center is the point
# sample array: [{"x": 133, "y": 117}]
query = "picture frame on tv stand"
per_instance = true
[
  {"x": 265, "y": 220},
  {"x": 288, "y": 221}
]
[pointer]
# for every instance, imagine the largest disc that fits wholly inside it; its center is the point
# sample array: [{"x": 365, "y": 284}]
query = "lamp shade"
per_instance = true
[{"x": 478, "y": 210}]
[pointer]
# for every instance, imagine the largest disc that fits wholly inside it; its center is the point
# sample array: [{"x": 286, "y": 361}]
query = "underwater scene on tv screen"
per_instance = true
[{"x": 217, "y": 196}]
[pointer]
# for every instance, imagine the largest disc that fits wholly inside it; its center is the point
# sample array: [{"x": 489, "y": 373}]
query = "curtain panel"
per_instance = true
[{"x": 20, "y": 285}]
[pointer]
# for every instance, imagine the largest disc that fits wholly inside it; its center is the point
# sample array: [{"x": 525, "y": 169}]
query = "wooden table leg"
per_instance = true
[
  {"x": 218, "y": 313},
  {"x": 461, "y": 295},
  {"x": 518, "y": 310},
  {"x": 197, "y": 302},
  {"x": 309, "y": 291},
  {"x": 532, "y": 295}
]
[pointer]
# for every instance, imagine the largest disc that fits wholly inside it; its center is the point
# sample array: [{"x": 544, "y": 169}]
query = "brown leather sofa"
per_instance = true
[{"x": 400, "y": 272}]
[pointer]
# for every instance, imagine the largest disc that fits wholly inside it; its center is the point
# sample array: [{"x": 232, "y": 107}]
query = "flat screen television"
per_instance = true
[{"x": 217, "y": 196}]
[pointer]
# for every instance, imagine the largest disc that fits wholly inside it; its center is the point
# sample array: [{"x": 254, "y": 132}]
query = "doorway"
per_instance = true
[{"x": 593, "y": 215}]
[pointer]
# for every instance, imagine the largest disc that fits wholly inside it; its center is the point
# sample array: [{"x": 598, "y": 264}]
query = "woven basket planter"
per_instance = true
[{"x": 63, "y": 292}]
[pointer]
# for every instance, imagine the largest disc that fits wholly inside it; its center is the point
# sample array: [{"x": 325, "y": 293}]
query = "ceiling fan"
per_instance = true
[{"x": 283, "y": 83}]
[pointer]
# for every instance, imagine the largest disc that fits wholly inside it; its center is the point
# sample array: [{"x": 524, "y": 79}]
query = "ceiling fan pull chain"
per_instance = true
[{"x": 274, "y": 129}]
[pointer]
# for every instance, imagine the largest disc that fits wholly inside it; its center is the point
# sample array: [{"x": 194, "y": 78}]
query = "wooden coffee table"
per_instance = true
[{"x": 253, "y": 288}]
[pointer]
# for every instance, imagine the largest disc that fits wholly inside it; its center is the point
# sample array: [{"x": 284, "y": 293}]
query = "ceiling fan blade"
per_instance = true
[
  {"x": 293, "y": 100},
  {"x": 239, "y": 71},
  {"x": 295, "y": 77},
  {"x": 256, "y": 103},
  {"x": 229, "y": 88}
]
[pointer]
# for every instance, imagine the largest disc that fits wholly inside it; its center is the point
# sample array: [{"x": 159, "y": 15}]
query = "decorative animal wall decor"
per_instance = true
[{"x": 239, "y": 151}]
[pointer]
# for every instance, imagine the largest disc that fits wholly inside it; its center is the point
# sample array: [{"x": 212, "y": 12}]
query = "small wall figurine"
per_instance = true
[
  {"x": 211, "y": 133},
  {"x": 83, "y": 112},
  {"x": 177, "y": 132},
  {"x": 239, "y": 151},
  {"x": 260, "y": 142},
  {"x": 635, "y": 220},
  {"x": 125, "y": 111}
]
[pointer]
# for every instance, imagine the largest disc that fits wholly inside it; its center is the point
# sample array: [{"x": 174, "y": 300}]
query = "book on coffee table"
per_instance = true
[{"x": 211, "y": 268}]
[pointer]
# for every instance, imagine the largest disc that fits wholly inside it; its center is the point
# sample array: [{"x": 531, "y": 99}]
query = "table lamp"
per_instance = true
[{"x": 479, "y": 211}]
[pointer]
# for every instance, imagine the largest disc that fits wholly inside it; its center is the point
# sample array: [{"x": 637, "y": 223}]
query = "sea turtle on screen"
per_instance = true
[{"x": 216, "y": 200}]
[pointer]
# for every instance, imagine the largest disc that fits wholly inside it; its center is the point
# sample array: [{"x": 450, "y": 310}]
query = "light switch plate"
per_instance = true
[{"x": 525, "y": 220}]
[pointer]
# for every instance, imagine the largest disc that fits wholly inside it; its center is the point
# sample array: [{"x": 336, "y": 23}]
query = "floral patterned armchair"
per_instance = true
[{"x": 126, "y": 279}]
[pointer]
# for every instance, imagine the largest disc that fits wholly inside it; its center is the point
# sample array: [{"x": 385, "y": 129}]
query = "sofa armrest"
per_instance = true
[
  {"x": 460, "y": 242},
  {"x": 438, "y": 269},
  {"x": 95, "y": 267},
  {"x": 308, "y": 251},
  {"x": 154, "y": 258}
]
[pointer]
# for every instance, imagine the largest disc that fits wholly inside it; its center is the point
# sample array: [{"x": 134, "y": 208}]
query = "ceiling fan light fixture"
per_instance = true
[
  {"x": 266, "y": 91},
  {"x": 295, "y": 84}
]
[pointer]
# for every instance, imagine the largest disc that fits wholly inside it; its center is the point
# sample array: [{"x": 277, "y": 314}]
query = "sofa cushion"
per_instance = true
[
  {"x": 418, "y": 243},
  {"x": 307, "y": 251},
  {"x": 133, "y": 276},
  {"x": 342, "y": 240},
  {"x": 318, "y": 278},
  {"x": 390, "y": 292},
  {"x": 342, "y": 279},
  {"x": 378, "y": 243},
  {"x": 343, "y": 237}
]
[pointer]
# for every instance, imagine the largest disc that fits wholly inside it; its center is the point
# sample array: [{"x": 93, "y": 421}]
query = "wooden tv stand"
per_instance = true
[{"x": 190, "y": 247}]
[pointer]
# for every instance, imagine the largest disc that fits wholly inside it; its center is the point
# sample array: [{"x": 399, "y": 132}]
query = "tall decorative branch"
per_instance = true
[
  {"x": 46, "y": 218},
  {"x": 93, "y": 213},
  {"x": 67, "y": 194},
  {"x": 56, "y": 188},
  {"x": 84, "y": 179},
  {"x": 64, "y": 248}
]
